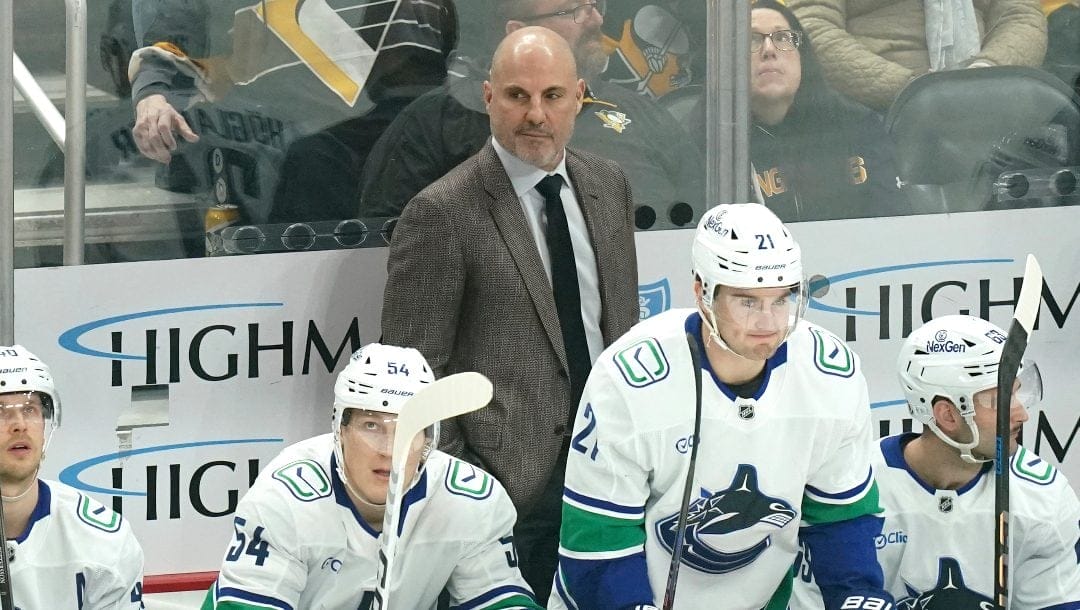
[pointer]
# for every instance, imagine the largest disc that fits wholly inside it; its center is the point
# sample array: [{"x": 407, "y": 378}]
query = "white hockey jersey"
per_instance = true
[
  {"x": 798, "y": 451},
  {"x": 937, "y": 546},
  {"x": 299, "y": 542},
  {"x": 76, "y": 554}
]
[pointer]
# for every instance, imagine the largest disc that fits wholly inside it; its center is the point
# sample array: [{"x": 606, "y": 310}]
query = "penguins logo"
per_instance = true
[
  {"x": 613, "y": 119},
  {"x": 949, "y": 593},
  {"x": 729, "y": 529}
]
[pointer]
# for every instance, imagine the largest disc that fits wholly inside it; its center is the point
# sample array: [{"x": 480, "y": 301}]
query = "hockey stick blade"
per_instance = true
[
  {"x": 1012, "y": 354},
  {"x": 680, "y": 531},
  {"x": 445, "y": 398}
]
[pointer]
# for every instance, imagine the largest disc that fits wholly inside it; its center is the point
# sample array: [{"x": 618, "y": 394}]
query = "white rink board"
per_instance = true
[{"x": 226, "y": 420}]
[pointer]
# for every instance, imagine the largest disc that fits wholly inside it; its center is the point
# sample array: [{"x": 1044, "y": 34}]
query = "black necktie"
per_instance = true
[{"x": 564, "y": 286}]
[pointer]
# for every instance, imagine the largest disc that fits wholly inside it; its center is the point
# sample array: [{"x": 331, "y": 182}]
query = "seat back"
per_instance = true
[{"x": 957, "y": 132}]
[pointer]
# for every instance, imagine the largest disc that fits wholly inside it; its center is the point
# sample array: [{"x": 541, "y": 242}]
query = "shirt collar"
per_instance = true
[{"x": 524, "y": 176}]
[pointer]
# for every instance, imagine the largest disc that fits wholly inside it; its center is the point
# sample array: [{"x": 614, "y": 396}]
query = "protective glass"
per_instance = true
[
  {"x": 783, "y": 40},
  {"x": 760, "y": 310},
  {"x": 376, "y": 430},
  {"x": 1027, "y": 389},
  {"x": 22, "y": 407},
  {"x": 580, "y": 12}
]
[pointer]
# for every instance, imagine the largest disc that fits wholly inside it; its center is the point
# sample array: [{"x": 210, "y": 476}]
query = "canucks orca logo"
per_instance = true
[
  {"x": 948, "y": 594},
  {"x": 729, "y": 529}
]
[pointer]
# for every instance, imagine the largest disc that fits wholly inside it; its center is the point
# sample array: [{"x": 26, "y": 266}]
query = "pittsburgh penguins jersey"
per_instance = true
[
  {"x": 75, "y": 554},
  {"x": 300, "y": 543},
  {"x": 937, "y": 546},
  {"x": 796, "y": 452}
]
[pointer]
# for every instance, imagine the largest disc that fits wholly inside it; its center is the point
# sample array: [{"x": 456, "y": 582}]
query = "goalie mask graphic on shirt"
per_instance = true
[
  {"x": 729, "y": 529},
  {"x": 950, "y": 592}
]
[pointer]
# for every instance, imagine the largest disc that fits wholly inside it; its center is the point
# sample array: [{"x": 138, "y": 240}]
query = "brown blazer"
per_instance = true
[{"x": 467, "y": 288}]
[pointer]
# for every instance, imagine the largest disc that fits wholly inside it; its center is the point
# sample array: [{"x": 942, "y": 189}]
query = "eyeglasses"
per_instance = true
[
  {"x": 783, "y": 40},
  {"x": 579, "y": 12}
]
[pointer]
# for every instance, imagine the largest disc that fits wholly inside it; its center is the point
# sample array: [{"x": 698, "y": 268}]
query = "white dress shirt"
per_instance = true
[{"x": 524, "y": 178}]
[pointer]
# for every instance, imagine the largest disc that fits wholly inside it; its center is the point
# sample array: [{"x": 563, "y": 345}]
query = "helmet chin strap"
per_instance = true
[
  {"x": 33, "y": 482},
  {"x": 964, "y": 448},
  {"x": 22, "y": 494},
  {"x": 708, "y": 318},
  {"x": 353, "y": 492},
  {"x": 358, "y": 496}
]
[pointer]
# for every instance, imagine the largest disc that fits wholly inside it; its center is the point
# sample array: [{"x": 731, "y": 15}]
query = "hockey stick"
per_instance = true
[
  {"x": 445, "y": 398},
  {"x": 680, "y": 532},
  {"x": 7, "y": 601},
  {"x": 1027, "y": 309}
]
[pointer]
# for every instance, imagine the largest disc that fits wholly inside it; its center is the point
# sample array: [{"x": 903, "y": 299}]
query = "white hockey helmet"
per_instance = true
[
  {"x": 381, "y": 379},
  {"x": 23, "y": 372},
  {"x": 745, "y": 245},
  {"x": 955, "y": 357}
]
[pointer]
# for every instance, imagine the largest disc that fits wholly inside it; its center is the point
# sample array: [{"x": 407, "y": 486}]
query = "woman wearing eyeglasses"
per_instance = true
[{"x": 817, "y": 155}]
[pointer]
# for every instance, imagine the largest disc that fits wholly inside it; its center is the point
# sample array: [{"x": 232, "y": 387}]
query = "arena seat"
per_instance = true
[{"x": 961, "y": 134}]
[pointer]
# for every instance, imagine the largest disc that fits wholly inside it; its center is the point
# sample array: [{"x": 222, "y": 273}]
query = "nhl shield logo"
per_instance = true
[
  {"x": 945, "y": 504},
  {"x": 654, "y": 298},
  {"x": 746, "y": 411}
]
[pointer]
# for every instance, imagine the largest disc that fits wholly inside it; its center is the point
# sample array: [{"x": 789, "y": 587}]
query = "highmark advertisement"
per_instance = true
[{"x": 181, "y": 379}]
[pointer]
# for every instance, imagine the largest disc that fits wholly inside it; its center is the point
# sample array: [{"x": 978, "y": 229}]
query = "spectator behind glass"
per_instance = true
[
  {"x": 816, "y": 155},
  {"x": 447, "y": 125},
  {"x": 870, "y": 49},
  {"x": 297, "y": 94}
]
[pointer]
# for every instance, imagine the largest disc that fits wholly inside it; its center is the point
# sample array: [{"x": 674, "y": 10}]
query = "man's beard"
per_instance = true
[{"x": 590, "y": 57}]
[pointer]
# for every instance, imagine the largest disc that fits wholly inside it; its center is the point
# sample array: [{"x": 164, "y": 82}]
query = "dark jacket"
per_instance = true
[
  {"x": 822, "y": 166},
  {"x": 447, "y": 125}
]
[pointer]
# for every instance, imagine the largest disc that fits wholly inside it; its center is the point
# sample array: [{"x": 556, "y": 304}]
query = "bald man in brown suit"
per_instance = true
[{"x": 482, "y": 278}]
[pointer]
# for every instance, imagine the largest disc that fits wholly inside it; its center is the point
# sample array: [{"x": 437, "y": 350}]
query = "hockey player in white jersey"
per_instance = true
[
  {"x": 785, "y": 440},
  {"x": 937, "y": 487},
  {"x": 307, "y": 533},
  {"x": 66, "y": 551}
]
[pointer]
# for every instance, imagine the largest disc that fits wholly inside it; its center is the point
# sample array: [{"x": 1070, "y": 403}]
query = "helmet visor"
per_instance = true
[
  {"x": 376, "y": 431},
  {"x": 25, "y": 407},
  {"x": 1027, "y": 389},
  {"x": 760, "y": 311}
]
